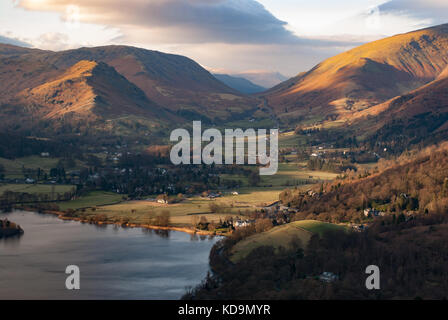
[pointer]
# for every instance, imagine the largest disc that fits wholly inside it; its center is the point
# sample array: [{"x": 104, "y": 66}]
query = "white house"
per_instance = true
[
  {"x": 328, "y": 277},
  {"x": 373, "y": 213},
  {"x": 242, "y": 223}
]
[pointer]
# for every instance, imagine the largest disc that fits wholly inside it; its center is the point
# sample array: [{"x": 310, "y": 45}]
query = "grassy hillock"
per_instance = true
[{"x": 282, "y": 236}]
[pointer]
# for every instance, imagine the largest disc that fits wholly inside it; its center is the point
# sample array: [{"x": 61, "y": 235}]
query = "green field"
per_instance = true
[
  {"x": 290, "y": 140},
  {"x": 139, "y": 211},
  {"x": 288, "y": 174},
  {"x": 318, "y": 227},
  {"x": 282, "y": 236},
  {"x": 35, "y": 188},
  {"x": 93, "y": 199},
  {"x": 246, "y": 124},
  {"x": 252, "y": 197},
  {"x": 248, "y": 199},
  {"x": 14, "y": 168}
]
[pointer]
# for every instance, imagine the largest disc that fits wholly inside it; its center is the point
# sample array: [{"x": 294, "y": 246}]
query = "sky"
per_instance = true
[{"x": 232, "y": 36}]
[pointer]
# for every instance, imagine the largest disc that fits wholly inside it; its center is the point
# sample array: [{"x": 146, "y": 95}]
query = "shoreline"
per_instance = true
[
  {"x": 60, "y": 215},
  {"x": 9, "y": 229},
  {"x": 10, "y": 232}
]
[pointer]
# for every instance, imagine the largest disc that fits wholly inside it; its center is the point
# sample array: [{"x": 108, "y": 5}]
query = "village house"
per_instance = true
[
  {"x": 243, "y": 223},
  {"x": 373, "y": 213},
  {"x": 311, "y": 193},
  {"x": 162, "y": 199},
  {"x": 213, "y": 195},
  {"x": 328, "y": 277}
]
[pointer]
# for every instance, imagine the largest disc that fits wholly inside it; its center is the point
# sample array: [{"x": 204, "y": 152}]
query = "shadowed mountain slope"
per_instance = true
[{"x": 420, "y": 116}]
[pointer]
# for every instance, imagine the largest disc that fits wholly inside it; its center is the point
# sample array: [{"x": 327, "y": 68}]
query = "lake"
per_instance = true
[{"x": 114, "y": 262}]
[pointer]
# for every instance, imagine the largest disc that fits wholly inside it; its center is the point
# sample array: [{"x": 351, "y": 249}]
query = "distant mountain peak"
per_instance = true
[
  {"x": 263, "y": 78},
  {"x": 239, "y": 83}
]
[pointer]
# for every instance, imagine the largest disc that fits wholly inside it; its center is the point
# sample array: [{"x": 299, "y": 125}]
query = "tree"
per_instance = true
[
  {"x": 254, "y": 179},
  {"x": 194, "y": 221},
  {"x": 262, "y": 225},
  {"x": 203, "y": 223},
  {"x": 165, "y": 218},
  {"x": 93, "y": 161}
]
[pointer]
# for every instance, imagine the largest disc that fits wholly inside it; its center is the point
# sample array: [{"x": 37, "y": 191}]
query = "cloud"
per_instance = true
[
  {"x": 236, "y": 34},
  {"x": 379, "y": 19},
  {"x": 14, "y": 41},
  {"x": 286, "y": 58},
  {"x": 55, "y": 41},
  {"x": 176, "y": 21},
  {"x": 436, "y": 11}
]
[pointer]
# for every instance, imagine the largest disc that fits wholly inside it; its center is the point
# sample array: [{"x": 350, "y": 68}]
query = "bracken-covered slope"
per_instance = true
[
  {"x": 88, "y": 92},
  {"x": 173, "y": 81},
  {"x": 364, "y": 76},
  {"x": 90, "y": 89}
]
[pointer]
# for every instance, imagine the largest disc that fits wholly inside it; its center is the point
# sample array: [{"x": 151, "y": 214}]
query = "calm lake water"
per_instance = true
[{"x": 115, "y": 263}]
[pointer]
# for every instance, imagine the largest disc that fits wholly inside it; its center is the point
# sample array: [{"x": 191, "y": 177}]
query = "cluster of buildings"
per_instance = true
[
  {"x": 276, "y": 207},
  {"x": 373, "y": 213},
  {"x": 242, "y": 223}
]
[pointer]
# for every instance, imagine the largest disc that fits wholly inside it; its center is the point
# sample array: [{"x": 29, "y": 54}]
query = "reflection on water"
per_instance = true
[
  {"x": 11, "y": 241},
  {"x": 115, "y": 263}
]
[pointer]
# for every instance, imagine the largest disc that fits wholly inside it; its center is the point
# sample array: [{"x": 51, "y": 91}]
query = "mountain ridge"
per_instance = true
[
  {"x": 175, "y": 86},
  {"x": 364, "y": 76}
]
